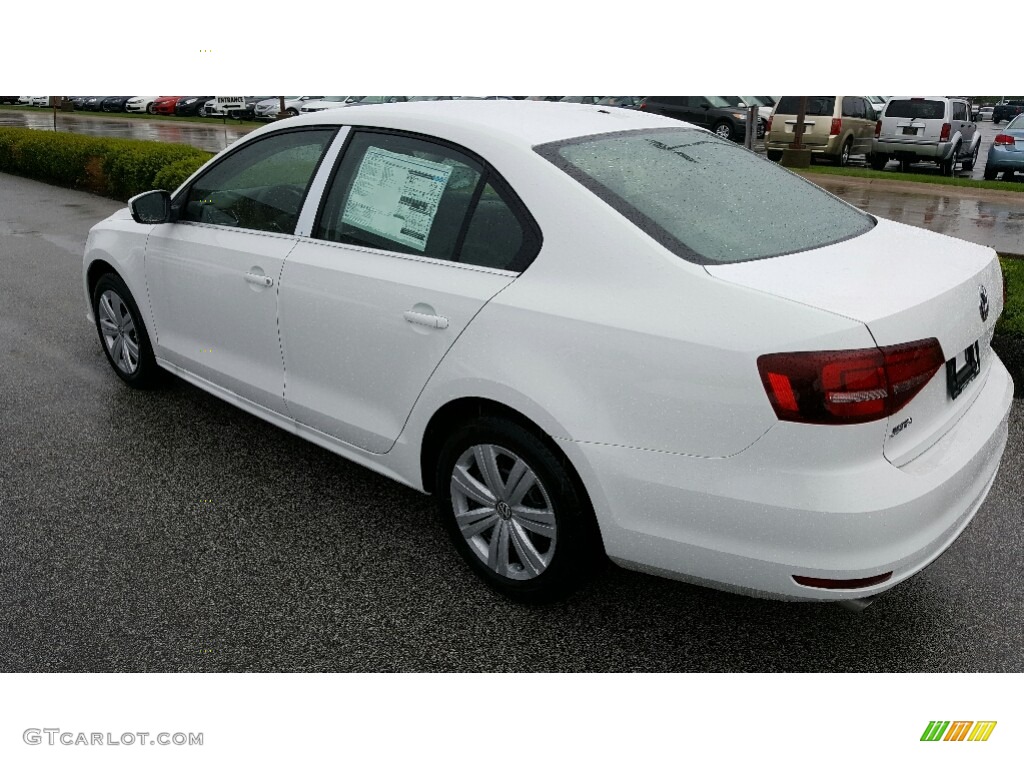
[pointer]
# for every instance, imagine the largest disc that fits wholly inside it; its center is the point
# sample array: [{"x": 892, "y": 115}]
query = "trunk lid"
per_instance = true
[{"x": 905, "y": 284}]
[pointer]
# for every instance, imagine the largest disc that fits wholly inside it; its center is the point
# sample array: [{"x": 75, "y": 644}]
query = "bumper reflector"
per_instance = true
[{"x": 869, "y": 581}]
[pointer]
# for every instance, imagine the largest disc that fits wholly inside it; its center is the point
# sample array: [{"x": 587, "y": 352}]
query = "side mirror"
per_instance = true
[{"x": 151, "y": 207}]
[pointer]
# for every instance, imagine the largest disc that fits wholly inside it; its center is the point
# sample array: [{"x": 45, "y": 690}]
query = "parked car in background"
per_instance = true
[
  {"x": 78, "y": 102},
  {"x": 25, "y": 100},
  {"x": 189, "y": 106},
  {"x": 9, "y": 99},
  {"x": 835, "y": 127},
  {"x": 877, "y": 104},
  {"x": 934, "y": 128},
  {"x": 581, "y": 99},
  {"x": 985, "y": 113},
  {"x": 94, "y": 104},
  {"x": 268, "y": 108},
  {"x": 1006, "y": 154},
  {"x": 114, "y": 103},
  {"x": 40, "y": 101},
  {"x": 327, "y": 102},
  {"x": 1006, "y": 110},
  {"x": 430, "y": 98},
  {"x": 364, "y": 100},
  {"x": 766, "y": 409},
  {"x": 165, "y": 105},
  {"x": 248, "y": 110},
  {"x": 623, "y": 102},
  {"x": 141, "y": 104},
  {"x": 712, "y": 112},
  {"x": 543, "y": 98}
]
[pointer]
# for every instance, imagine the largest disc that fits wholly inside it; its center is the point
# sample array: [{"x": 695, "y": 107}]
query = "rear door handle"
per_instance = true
[
  {"x": 420, "y": 318},
  {"x": 265, "y": 280}
]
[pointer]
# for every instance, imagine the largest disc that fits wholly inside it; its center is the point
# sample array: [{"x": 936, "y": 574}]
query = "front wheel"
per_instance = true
[
  {"x": 514, "y": 512},
  {"x": 123, "y": 333},
  {"x": 774, "y": 155},
  {"x": 291, "y": 112},
  {"x": 151, "y": 109}
]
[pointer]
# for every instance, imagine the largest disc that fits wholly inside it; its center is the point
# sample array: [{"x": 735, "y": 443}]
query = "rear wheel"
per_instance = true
[
  {"x": 844, "y": 154},
  {"x": 905, "y": 163},
  {"x": 514, "y": 512},
  {"x": 774, "y": 155},
  {"x": 948, "y": 166},
  {"x": 990, "y": 174},
  {"x": 969, "y": 163},
  {"x": 723, "y": 130},
  {"x": 878, "y": 162}
]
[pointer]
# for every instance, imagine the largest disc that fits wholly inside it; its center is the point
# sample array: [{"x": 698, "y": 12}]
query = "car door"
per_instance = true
[
  {"x": 413, "y": 239},
  {"x": 967, "y": 127},
  {"x": 212, "y": 274}
]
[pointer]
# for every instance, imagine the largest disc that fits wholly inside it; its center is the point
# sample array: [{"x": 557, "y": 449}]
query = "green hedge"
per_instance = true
[{"x": 117, "y": 168}]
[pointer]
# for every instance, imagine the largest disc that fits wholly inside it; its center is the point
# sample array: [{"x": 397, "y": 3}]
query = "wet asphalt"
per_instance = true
[{"x": 169, "y": 531}]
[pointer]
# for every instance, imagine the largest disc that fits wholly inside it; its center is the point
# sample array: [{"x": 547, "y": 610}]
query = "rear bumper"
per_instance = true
[
  {"x": 751, "y": 522},
  {"x": 830, "y": 147},
  {"x": 896, "y": 147},
  {"x": 1005, "y": 159}
]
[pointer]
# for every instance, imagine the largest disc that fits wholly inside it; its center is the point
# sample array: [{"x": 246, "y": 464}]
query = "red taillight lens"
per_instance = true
[
  {"x": 1004, "y": 138},
  {"x": 944, "y": 134},
  {"x": 878, "y": 129},
  {"x": 849, "y": 386},
  {"x": 768, "y": 125},
  {"x": 837, "y": 126}
]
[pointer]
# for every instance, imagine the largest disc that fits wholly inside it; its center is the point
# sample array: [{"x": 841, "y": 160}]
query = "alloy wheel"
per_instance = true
[
  {"x": 503, "y": 511},
  {"x": 119, "y": 333},
  {"x": 723, "y": 131}
]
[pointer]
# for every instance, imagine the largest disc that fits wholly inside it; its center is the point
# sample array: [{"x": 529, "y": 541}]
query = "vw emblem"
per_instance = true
[{"x": 983, "y": 307}]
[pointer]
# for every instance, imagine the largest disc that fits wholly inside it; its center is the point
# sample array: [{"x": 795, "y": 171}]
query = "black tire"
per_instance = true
[
  {"x": 843, "y": 158},
  {"x": 151, "y": 108},
  {"x": 948, "y": 167},
  {"x": 724, "y": 129},
  {"x": 146, "y": 373},
  {"x": 576, "y": 549},
  {"x": 291, "y": 112},
  {"x": 878, "y": 162},
  {"x": 905, "y": 163},
  {"x": 969, "y": 163},
  {"x": 990, "y": 173},
  {"x": 774, "y": 155}
]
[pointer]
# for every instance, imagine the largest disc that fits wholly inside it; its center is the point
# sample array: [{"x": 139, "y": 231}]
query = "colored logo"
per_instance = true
[{"x": 958, "y": 730}]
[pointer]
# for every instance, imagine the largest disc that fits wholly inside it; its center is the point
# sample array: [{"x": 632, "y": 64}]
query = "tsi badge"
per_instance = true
[
  {"x": 958, "y": 730},
  {"x": 983, "y": 306}
]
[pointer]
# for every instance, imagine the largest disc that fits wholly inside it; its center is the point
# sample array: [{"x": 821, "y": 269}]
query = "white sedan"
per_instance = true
[
  {"x": 141, "y": 104},
  {"x": 586, "y": 331}
]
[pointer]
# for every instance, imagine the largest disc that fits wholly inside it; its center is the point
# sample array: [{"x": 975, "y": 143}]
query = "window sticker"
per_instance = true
[{"x": 396, "y": 196}]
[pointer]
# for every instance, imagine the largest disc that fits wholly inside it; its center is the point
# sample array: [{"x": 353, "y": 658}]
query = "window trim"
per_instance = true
[
  {"x": 181, "y": 197},
  {"x": 550, "y": 152},
  {"x": 533, "y": 238}
]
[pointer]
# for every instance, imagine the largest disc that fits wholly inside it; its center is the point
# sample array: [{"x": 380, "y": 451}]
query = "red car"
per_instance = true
[{"x": 165, "y": 104}]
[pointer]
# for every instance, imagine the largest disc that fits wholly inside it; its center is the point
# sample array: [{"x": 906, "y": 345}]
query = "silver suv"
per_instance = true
[{"x": 916, "y": 128}]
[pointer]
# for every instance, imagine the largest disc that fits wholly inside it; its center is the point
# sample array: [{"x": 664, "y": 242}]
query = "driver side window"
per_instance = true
[{"x": 261, "y": 186}]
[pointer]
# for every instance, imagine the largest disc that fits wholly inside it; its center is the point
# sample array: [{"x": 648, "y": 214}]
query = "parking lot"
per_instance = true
[{"x": 168, "y": 530}]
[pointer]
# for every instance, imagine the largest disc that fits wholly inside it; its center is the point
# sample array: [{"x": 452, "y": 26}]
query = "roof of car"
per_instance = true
[{"x": 521, "y": 122}]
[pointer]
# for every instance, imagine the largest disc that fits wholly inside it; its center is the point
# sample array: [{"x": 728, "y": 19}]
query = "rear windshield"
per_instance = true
[
  {"x": 1017, "y": 124},
  {"x": 923, "y": 109},
  {"x": 816, "y": 105},
  {"x": 706, "y": 199}
]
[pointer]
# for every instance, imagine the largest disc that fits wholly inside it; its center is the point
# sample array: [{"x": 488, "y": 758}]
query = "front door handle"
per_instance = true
[
  {"x": 265, "y": 280},
  {"x": 421, "y": 318}
]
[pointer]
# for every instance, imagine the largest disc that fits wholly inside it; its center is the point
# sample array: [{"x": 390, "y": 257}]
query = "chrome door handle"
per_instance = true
[
  {"x": 265, "y": 280},
  {"x": 431, "y": 321}
]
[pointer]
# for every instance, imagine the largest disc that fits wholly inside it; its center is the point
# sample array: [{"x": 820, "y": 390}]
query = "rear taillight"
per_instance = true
[
  {"x": 848, "y": 386},
  {"x": 837, "y": 126},
  {"x": 944, "y": 135},
  {"x": 642, "y": 105},
  {"x": 768, "y": 125},
  {"x": 878, "y": 129},
  {"x": 1004, "y": 138}
]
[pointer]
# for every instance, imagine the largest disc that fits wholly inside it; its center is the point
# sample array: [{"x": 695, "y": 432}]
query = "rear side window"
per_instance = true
[
  {"x": 408, "y": 195},
  {"x": 922, "y": 109},
  {"x": 853, "y": 106},
  {"x": 704, "y": 198},
  {"x": 820, "y": 106}
]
